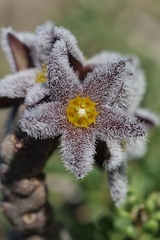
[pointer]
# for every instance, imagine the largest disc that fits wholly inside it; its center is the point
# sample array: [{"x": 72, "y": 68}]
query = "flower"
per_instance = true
[
  {"x": 20, "y": 52},
  {"x": 106, "y": 88},
  {"x": 27, "y": 54},
  {"x": 138, "y": 87}
]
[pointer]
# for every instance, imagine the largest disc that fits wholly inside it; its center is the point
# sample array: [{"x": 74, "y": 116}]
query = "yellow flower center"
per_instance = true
[
  {"x": 81, "y": 111},
  {"x": 41, "y": 75}
]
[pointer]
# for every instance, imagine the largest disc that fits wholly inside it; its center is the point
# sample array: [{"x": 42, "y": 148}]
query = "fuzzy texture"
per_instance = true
[
  {"x": 71, "y": 42},
  {"x": 16, "y": 85},
  {"x": 116, "y": 156},
  {"x": 138, "y": 83},
  {"x": 137, "y": 90},
  {"x": 44, "y": 39},
  {"x": 150, "y": 118},
  {"x": 108, "y": 85},
  {"x": 37, "y": 48},
  {"x": 25, "y": 38},
  {"x": 114, "y": 81},
  {"x": 118, "y": 184}
]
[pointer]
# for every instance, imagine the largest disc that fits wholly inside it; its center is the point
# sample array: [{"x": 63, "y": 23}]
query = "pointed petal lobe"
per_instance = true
[
  {"x": 64, "y": 34},
  {"x": 62, "y": 81},
  {"x": 44, "y": 40},
  {"x": 78, "y": 149},
  {"x": 110, "y": 83},
  {"x": 114, "y": 124},
  {"x": 147, "y": 117},
  {"x": 16, "y": 85},
  {"x": 118, "y": 185},
  {"x": 36, "y": 94},
  {"x": 116, "y": 156},
  {"x": 17, "y": 48},
  {"x": 44, "y": 121}
]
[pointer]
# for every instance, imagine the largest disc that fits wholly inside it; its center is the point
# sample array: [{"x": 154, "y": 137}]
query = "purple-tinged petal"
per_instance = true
[
  {"x": 62, "y": 81},
  {"x": 137, "y": 84},
  {"x": 110, "y": 83},
  {"x": 116, "y": 156},
  {"x": 148, "y": 118},
  {"x": 71, "y": 43},
  {"x": 114, "y": 124},
  {"x": 37, "y": 94},
  {"x": 118, "y": 184},
  {"x": 16, "y": 85},
  {"x": 75, "y": 56},
  {"x": 44, "y": 40},
  {"x": 78, "y": 149},
  {"x": 44, "y": 121},
  {"x": 17, "y": 48}
]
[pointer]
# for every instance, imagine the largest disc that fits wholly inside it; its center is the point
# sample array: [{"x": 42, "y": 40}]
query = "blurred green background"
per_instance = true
[{"x": 128, "y": 27}]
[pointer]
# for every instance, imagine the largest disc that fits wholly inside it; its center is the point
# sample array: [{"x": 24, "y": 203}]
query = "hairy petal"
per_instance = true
[
  {"x": 62, "y": 81},
  {"x": 110, "y": 83},
  {"x": 16, "y": 85},
  {"x": 36, "y": 94},
  {"x": 138, "y": 90},
  {"x": 103, "y": 57},
  {"x": 78, "y": 149},
  {"x": 147, "y": 117},
  {"x": 114, "y": 124},
  {"x": 44, "y": 121},
  {"x": 44, "y": 40},
  {"x": 118, "y": 184},
  {"x": 116, "y": 156},
  {"x": 17, "y": 48},
  {"x": 71, "y": 42}
]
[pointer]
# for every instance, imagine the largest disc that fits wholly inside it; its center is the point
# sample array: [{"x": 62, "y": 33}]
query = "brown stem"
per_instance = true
[{"x": 25, "y": 204}]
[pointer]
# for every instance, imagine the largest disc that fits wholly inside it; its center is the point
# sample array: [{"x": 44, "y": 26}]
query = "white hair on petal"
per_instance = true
[
  {"x": 44, "y": 39},
  {"x": 118, "y": 185},
  {"x": 110, "y": 83},
  {"x": 26, "y": 38},
  {"x": 71, "y": 42},
  {"x": 16, "y": 85},
  {"x": 36, "y": 94},
  {"x": 116, "y": 156},
  {"x": 44, "y": 121},
  {"x": 137, "y": 83},
  {"x": 147, "y": 115},
  {"x": 103, "y": 57},
  {"x": 62, "y": 81},
  {"x": 138, "y": 90},
  {"x": 77, "y": 151},
  {"x": 109, "y": 57},
  {"x": 114, "y": 124}
]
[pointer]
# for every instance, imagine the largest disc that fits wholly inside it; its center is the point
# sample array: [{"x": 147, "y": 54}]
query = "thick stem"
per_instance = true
[{"x": 24, "y": 203}]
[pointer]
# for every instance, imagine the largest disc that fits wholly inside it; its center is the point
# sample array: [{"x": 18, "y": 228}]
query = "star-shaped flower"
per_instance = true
[
  {"x": 28, "y": 53},
  {"x": 84, "y": 110}
]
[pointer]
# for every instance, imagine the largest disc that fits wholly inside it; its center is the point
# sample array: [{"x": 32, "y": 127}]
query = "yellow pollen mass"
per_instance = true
[
  {"x": 41, "y": 75},
  {"x": 81, "y": 112}
]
